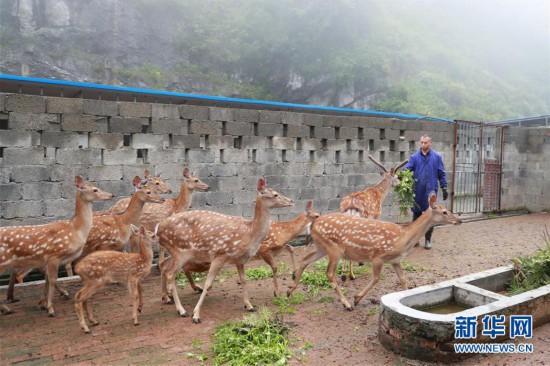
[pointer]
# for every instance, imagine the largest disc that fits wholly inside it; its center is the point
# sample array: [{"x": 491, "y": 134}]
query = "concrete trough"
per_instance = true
[{"x": 420, "y": 323}]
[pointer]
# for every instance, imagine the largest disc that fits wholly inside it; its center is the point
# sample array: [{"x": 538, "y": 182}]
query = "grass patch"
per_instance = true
[
  {"x": 533, "y": 271},
  {"x": 317, "y": 279},
  {"x": 258, "y": 273},
  {"x": 181, "y": 280},
  {"x": 285, "y": 304},
  {"x": 409, "y": 267},
  {"x": 258, "y": 339}
]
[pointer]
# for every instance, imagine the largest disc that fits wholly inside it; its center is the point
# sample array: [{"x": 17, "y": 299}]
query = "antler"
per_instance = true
[
  {"x": 400, "y": 166},
  {"x": 378, "y": 163}
]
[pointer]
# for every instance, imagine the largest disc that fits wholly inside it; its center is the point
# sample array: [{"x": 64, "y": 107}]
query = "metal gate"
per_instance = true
[{"x": 477, "y": 168}]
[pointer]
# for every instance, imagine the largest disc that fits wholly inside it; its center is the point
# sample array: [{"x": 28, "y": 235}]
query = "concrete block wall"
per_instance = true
[
  {"x": 526, "y": 169},
  {"x": 45, "y": 141}
]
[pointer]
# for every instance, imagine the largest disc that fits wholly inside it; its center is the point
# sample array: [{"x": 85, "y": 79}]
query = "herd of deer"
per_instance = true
[{"x": 202, "y": 241}]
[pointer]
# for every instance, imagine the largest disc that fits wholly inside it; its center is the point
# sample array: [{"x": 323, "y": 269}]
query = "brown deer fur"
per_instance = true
[
  {"x": 50, "y": 245},
  {"x": 205, "y": 237},
  {"x": 337, "y": 235}
]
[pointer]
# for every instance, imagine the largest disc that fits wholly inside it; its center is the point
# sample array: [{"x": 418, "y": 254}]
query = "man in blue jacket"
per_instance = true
[{"x": 428, "y": 170}]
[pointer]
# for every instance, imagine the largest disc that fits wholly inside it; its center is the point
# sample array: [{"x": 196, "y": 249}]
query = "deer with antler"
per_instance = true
[
  {"x": 206, "y": 237},
  {"x": 107, "y": 266},
  {"x": 50, "y": 245},
  {"x": 278, "y": 238},
  {"x": 368, "y": 202},
  {"x": 337, "y": 235}
]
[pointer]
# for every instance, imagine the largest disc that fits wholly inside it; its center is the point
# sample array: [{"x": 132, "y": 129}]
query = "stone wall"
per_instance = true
[
  {"x": 45, "y": 141},
  {"x": 526, "y": 169}
]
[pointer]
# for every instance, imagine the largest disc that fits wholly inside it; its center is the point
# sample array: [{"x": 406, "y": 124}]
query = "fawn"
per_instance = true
[{"x": 108, "y": 266}]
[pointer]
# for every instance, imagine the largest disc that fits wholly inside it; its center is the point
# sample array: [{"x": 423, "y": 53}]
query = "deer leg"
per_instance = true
[
  {"x": 43, "y": 301},
  {"x": 268, "y": 258},
  {"x": 376, "y": 269},
  {"x": 399, "y": 271},
  {"x": 140, "y": 294},
  {"x": 308, "y": 259},
  {"x": 247, "y": 305},
  {"x": 11, "y": 287},
  {"x": 81, "y": 302},
  {"x": 215, "y": 267},
  {"x": 194, "y": 286},
  {"x": 4, "y": 310},
  {"x": 51, "y": 274},
  {"x": 69, "y": 269},
  {"x": 134, "y": 296},
  {"x": 351, "y": 274},
  {"x": 331, "y": 275},
  {"x": 290, "y": 251},
  {"x": 170, "y": 272},
  {"x": 164, "y": 266}
]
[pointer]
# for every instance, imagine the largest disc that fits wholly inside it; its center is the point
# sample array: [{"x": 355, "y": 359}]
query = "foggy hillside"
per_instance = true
[{"x": 480, "y": 60}]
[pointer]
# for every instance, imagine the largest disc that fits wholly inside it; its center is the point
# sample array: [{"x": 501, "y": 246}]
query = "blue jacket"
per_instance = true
[{"x": 427, "y": 170}]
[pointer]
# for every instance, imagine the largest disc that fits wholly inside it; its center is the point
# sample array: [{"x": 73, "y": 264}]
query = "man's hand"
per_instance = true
[{"x": 445, "y": 194}]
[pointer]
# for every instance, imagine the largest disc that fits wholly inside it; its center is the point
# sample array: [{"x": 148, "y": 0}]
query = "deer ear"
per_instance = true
[
  {"x": 79, "y": 182},
  {"x": 309, "y": 205},
  {"x": 146, "y": 173},
  {"x": 432, "y": 199},
  {"x": 137, "y": 181},
  {"x": 186, "y": 172},
  {"x": 261, "y": 184}
]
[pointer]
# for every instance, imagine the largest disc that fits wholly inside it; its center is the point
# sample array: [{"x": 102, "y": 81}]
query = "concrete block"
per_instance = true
[
  {"x": 186, "y": 141},
  {"x": 127, "y": 125},
  {"x": 32, "y": 121},
  {"x": 194, "y": 112},
  {"x": 22, "y": 209},
  {"x": 235, "y": 156},
  {"x": 244, "y": 197},
  {"x": 205, "y": 127},
  {"x": 134, "y": 109},
  {"x": 218, "y": 198},
  {"x": 64, "y": 105},
  {"x": 201, "y": 156},
  {"x": 10, "y": 192},
  {"x": 221, "y": 170},
  {"x": 121, "y": 156},
  {"x": 268, "y": 156},
  {"x": 270, "y": 129},
  {"x": 67, "y": 140},
  {"x": 221, "y": 142},
  {"x": 284, "y": 143},
  {"x": 25, "y": 103},
  {"x": 78, "y": 157},
  {"x": 246, "y": 115},
  {"x": 119, "y": 188},
  {"x": 220, "y": 114},
  {"x": 14, "y": 156},
  {"x": 113, "y": 172},
  {"x": 165, "y": 111},
  {"x": 3, "y": 102},
  {"x": 149, "y": 141},
  {"x": 324, "y": 132},
  {"x": 80, "y": 122},
  {"x": 59, "y": 208},
  {"x": 165, "y": 156},
  {"x": 174, "y": 126},
  {"x": 109, "y": 141},
  {"x": 40, "y": 190},
  {"x": 237, "y": 128},
  {"x": 312, "y": 169},
  {"x": 311, "y": 119},
  {"x": 254, "y": 142},
  {"x": 292, "y": 118},
  {"x": 333, "y": 145},
  {"x": 15, "y": 138},
  {"x": 348, "y": 133},
  {"x": 99, "y": 107},
  {"x": 311, "y": 144},
  {"x": 270, "y": 117}
]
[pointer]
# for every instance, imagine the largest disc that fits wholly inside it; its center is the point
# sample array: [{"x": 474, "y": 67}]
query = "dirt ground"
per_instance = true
[{"x": 322, "y": 333}]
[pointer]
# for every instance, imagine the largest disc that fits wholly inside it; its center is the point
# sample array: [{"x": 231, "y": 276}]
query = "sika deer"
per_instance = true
[
  {"x": 47, "y": 246},
  {"x": 107, "y": 266},
  {"x": 368, "y": 202},
  {"x": 277, "y": 239},
  {"x": 359, "y": 239},
  {"x": 112, "y": 232},
  {"x": 204, "y": 237}
]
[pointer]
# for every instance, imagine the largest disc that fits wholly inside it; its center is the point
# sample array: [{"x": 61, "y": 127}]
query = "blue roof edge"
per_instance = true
[{"x": 211, "y": 98}]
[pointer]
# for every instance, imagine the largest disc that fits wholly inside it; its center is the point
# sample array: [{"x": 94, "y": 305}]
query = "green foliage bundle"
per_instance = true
[
  {"x": 404, "y": 191},
  {"x": 532, "y": 271}
]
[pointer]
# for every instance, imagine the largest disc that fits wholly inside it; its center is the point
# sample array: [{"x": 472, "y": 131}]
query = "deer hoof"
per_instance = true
[
  {"x": 348, "y": 307},
  {"x": 293, "y": 275},
  {"x": 375, "y": 301},
  {"x": 94, "y": 323},
  {"x": 51, "y": 314},
  {"x": 136, "y": 323},
  {"x": 4, "y": 310},
  {"x": 184, "y": 314},
  {"x": 11, "y": 300},
  {"x": 352, "y": 278},
  {"x": 251, "y": 309},
  {"x": 196, "y": 320},
  {"x": 66, "y": 295},
  {"x": 198, "y": 289},
  {"x": 167, "y": 300},
  {"x": 42, "y": 304},
  {"x": 87, "y": 331},
  {"x": 356, "y": 300}
]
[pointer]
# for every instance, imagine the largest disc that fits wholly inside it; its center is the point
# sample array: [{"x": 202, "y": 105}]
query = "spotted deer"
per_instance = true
[
  {"x": 337, "y": 235},
  {"x": 280, "y": 234},
  {"x": 108, "y": 266},
  {"x": 112, "y": 232},
  {"x": 368, "y": 202},
  {"x": 205, "y": 237},
  {"x": 48, "y": 246}
]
